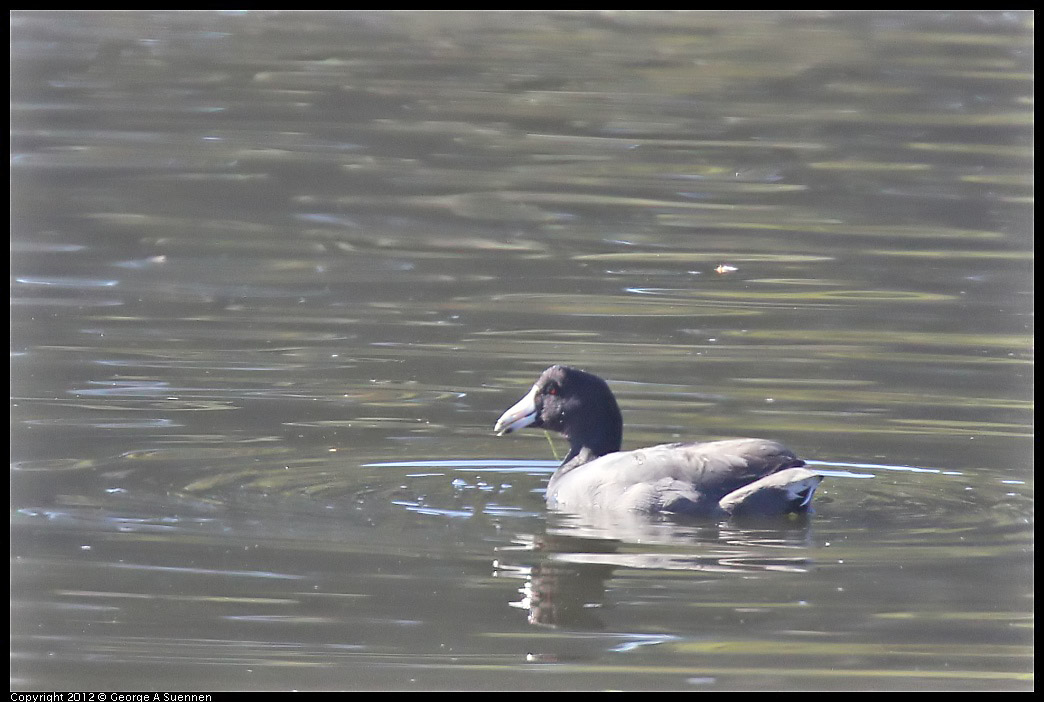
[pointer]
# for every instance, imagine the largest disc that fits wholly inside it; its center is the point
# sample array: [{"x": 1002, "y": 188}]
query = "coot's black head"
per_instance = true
[{"x": 574, "y": 403}]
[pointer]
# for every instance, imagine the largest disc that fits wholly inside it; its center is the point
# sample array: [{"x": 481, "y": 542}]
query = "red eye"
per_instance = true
[{"x": 553, "y": 390}]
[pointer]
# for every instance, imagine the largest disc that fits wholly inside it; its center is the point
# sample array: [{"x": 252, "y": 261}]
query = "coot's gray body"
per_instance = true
[{"x": 740, "y": 477}]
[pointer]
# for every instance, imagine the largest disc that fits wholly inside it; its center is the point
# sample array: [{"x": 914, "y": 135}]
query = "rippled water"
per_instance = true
[{"x": 275, "y": 275}]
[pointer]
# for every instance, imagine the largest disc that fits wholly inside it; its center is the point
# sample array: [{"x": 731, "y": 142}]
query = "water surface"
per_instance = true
[{"x": 275, "y": 275}]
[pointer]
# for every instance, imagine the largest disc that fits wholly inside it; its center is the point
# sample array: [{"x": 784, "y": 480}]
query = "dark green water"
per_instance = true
[{"x": 275, "y": 275}]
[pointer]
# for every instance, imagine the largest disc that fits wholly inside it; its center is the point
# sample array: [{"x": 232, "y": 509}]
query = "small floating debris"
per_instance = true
[{"x": 724, "y": 268}]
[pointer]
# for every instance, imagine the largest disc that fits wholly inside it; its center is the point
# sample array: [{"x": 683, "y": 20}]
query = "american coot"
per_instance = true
[{"x": 741, "y": 477}]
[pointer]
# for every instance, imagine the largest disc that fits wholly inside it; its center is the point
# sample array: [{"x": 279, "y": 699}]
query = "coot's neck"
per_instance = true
[
  {"x": 593, "y": 434},
  {"x": 578, "y": 457}
]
